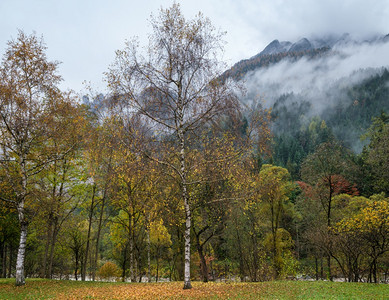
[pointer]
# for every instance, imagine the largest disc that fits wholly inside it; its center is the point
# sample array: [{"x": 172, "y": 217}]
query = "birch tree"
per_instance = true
[
  {"x": 174, "y": 86},
  {"x": 27, "y": 86}
]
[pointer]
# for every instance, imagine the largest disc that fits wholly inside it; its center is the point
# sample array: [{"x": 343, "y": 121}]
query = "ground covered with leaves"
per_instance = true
[{"x": 55, "y": 289}]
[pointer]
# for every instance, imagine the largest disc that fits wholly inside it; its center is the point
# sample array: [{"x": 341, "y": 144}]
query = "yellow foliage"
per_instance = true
[
  {"x": 109, "y": 271},
  {"x": 372, "y": 218}
]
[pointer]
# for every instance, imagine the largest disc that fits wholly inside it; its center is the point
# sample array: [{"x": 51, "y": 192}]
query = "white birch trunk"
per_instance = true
[
  {"x": 187, "y": 284},
  {"x": 20, "y": 280}
]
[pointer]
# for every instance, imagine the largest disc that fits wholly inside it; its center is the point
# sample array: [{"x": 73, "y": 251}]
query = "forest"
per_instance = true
[{"x": 171, "y": 176}]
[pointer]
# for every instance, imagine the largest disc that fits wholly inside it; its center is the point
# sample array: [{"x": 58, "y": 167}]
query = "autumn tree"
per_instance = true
[
  {"x": 325, "y": 172},
  {"x": 212, "y": 192},
  {"x": 175, "y": 88},
  {"x": 244, "y": 227},
  {"x": 366, "y": 233},
  {"x": 59, "y": 181},
  {"x": 28, "y": 88},
  {"x": 98, "y": 151}
]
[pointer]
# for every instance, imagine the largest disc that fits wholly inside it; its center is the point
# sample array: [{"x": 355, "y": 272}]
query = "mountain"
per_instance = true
[
  {"x": 275, "y": 47},
  {"x": 317, "y": 89},
  {"x": 301, "y": 45},
  {"x": 276, "y": 51}
]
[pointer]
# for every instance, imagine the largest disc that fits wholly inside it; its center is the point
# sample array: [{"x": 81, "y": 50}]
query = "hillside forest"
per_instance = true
[{"x": 172, "y": 175}]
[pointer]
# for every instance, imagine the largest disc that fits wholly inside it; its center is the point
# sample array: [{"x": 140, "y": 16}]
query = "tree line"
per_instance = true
[{"x": 171, "y": 176}]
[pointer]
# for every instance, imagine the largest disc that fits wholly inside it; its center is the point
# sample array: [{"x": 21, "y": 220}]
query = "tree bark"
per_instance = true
[
  {"x": 20, "y": 280},
  {"x": 203, "y": 264},
  {"x": 148, "y": 251},
  {"x": 187, "y": 284},
  {"x": 200, "y": 251},
  {"x": 188, "y": 216}
]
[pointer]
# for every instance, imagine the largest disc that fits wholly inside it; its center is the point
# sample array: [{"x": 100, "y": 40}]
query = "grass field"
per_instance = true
[{"x": 54, "y": 289}]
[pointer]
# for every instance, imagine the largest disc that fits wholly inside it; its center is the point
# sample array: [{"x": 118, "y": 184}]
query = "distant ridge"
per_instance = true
[{"x": 277, "y": 51}]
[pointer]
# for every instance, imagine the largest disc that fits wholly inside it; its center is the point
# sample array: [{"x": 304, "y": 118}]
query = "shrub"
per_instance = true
[{"x": 109, "y": 271}]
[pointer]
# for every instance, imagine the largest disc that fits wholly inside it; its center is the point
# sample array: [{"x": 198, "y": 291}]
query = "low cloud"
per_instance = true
[
  {"x": 322, "y": 82},
  {"x": 313, "y": 79}
]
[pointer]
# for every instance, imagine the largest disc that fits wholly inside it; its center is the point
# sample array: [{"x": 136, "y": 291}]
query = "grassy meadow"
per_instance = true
[{"x": 55, "y": 289}]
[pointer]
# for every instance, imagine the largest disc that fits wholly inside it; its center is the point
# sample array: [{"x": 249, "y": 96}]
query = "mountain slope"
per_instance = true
[{"x": 317, "y": 89}]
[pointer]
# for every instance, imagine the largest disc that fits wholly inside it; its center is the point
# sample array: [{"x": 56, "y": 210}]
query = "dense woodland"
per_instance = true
[{"x": 172, "y": 177}]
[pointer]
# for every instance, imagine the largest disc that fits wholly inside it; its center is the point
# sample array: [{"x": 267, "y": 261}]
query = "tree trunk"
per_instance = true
[
  {"x": 200, "y": 251},
  {"x": 94, "y": 268},
  {"x": 4, "y": 260},
  {"x": 83, "y": 272},
  {"x": 185, "y": 197},
  {"x": 135, "y": 266},
  {"x": 20, "y": 280},
  {"x": 157, "y": 262},
  {"x": 10, "y": 261},
  {"x": 375, "y": 270},
  {"x": 76, "y": 267},
  {"x": 47, "y": 246},
  {"x": 255, "y": 263},
  {"x": 241, "y": 262},
  {"x": 52, "y": 247},
  {"x": 148, "y": 252},
  {"x": 124, "y": 264},
  {"x": 203, "y": 264},
  {"x": 188, "y": 219},
  {"x": 131, "y": 253}
]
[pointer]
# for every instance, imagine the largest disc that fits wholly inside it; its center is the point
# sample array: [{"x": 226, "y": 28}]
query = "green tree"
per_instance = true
[
  {"x": 275, "y": 186},
  {"x": 377, "y": 156}
]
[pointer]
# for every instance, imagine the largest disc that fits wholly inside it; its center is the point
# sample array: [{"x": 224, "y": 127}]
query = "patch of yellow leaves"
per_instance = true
[{"x": 172, "y": 290}]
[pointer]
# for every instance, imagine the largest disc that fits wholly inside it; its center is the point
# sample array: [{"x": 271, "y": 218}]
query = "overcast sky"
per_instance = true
[{"x": 84, "y": 34}]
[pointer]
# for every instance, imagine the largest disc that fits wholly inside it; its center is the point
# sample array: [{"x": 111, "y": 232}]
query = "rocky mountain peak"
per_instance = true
[
  {"x": 302, "y": 45},
  {"x": 275, "y": 47}
]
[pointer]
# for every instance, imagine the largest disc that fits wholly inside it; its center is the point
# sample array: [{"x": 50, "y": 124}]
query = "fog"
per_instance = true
[
  {"x": 321, "y": 81},
  {"x": 312, "y": 78}
]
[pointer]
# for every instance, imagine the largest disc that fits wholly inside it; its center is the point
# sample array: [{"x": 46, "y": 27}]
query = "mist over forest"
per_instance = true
[{"x": 338, "y": 79}]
